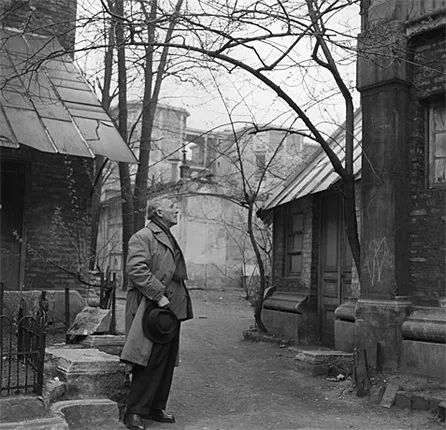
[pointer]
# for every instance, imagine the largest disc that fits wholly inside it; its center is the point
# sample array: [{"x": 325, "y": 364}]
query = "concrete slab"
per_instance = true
[{"x": 88, "y": 413}]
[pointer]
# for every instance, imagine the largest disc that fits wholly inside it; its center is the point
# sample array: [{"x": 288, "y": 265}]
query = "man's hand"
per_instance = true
[{"x": 163, "y": 302}]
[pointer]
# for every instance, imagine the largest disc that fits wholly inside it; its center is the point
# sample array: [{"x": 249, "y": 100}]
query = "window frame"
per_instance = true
[
  {"x": 291, "y": 234},
  {"x": 431, "y": 134}
]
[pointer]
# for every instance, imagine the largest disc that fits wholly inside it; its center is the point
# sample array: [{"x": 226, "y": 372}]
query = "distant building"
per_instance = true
[{"x": 201, "y": 168}]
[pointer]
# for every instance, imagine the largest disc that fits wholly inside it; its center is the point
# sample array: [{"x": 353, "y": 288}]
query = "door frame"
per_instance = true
[
  {"x": 343, "y": 264},
  {"x": 23, "y": 168}
]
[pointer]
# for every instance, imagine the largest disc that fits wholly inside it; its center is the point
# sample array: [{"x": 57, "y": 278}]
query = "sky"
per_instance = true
[{"x": 241, "y": 94}]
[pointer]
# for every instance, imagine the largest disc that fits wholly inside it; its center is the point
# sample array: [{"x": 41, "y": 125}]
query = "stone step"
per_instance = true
[{"x": 324, "y": 361}]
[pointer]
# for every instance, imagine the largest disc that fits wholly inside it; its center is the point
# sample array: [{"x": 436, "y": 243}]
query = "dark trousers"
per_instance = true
[{"x": 150, "y": 385}]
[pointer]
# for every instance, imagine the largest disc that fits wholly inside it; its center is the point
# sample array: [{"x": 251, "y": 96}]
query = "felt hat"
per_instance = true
[{"x": 159, "y": 324}]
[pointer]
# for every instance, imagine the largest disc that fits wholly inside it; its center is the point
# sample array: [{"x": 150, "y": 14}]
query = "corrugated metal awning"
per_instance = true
[
  {"x": 318, "y": 174},
  {"x": 46, "y": 103}
]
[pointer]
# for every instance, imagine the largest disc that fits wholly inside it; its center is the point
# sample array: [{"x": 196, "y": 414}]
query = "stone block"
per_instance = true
[
  {"x": 420, "y": 402},
  {"x": 89, "y": 372},
  {"x": 433, "y": 404},
  {"x": 442, "y": 411},
  {"x": 424, "y": 358},
  {"x": 389, "y": 395},
  {"x": 403, "y": 400},
  {"x": 344, "y": 335},
  {"x": 111, "y": 344},
  {"x": 282, "y": 324},
  {"x": 89, "y": 321},
  {"x": 320, "y": 362}
]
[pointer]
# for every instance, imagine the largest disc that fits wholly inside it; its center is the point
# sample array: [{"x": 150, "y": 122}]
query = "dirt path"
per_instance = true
[{"x": 226, "y": 382}]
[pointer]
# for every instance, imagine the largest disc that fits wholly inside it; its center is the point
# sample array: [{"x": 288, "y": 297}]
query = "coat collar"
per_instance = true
[{"x": 160, "y": 235}]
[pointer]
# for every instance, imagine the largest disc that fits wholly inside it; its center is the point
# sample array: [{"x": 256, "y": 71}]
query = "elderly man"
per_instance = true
[{"x": 156, "y": 271}]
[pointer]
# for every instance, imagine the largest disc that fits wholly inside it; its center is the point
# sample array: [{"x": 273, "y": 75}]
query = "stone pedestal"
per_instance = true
[
  {"x": 88, "y": 372},
  {"x": 378, "y": 331},
  {"x": 345, "y": 326}
]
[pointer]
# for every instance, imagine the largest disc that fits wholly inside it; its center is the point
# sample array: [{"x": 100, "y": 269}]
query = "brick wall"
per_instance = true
[
  {"x": 48, "y": 17},
  {"x": 427, "y": 206},
  {"x": 57, "y": 220}
]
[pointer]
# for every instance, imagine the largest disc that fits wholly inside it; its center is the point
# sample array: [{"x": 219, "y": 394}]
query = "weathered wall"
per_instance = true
[
  {"x": 427, "y": 240},
  {"x": 48, "y": 17}
]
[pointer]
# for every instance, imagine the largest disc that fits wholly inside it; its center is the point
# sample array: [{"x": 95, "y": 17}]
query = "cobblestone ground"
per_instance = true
[{"x": 226, "y": 382}]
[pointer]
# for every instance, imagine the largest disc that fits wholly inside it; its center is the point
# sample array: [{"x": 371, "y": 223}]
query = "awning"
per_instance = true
[
  {"x": 318, "y": 174},
  {"x": 46, "y": 103}
]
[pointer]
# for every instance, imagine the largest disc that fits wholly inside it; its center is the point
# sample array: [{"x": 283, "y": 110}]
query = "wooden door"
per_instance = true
[
  {"x": 334, "y": 265},
  {"x": 11, "y": 219}
]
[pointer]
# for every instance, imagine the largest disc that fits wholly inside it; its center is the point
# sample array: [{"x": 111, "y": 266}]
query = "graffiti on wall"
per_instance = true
[{"x": 377, "y": 259}]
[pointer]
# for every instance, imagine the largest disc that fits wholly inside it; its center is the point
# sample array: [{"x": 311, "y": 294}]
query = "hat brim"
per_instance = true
[{"x": 149, "y": 328}]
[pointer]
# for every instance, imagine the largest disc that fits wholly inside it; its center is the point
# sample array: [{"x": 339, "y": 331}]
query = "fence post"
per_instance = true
[
  {"x": 113, "y": 306},
  {"x": 67, "y": 313},
  {"x": 41, "y": 330},
  {"x": 101, "y": 291},
  {"x": 2, "y": 287}
]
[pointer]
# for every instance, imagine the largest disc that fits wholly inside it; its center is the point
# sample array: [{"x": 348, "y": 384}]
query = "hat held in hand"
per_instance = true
[{"x": 159, "y": 324}]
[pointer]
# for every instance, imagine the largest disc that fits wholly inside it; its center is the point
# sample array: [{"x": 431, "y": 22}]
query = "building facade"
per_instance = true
[
  {"x": 395, "y": 315},
  {"x": 52, "y": 126}
]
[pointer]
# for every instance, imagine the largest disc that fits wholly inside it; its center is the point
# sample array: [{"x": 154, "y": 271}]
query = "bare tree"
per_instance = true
[{"x": 264, "y": 39}]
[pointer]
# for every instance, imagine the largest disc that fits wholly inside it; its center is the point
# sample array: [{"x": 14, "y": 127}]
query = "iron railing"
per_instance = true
[{"x": 22, "y": 348}]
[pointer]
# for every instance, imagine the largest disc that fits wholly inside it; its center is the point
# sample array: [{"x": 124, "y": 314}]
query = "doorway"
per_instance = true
[
  {"x": 335, "y": 264},
  {"x": 12, "y": 187}
]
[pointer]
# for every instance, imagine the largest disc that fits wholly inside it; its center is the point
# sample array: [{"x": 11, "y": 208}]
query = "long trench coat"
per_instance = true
[{"x": 150, "y": 267}]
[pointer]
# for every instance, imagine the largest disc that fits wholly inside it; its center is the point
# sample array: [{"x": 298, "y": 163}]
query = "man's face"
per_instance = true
[{"x": 168, "y": 213}]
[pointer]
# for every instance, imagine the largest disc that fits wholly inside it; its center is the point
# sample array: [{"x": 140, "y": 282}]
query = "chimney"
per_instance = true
[
  {"x": 184, "y": 168},
  {"x": 174, "y": 169}
]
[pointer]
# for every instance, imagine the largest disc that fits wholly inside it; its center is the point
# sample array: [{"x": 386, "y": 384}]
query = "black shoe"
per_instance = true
[
  {"x": 161, "y": 416},
  {"x": 133, "y": 422}
]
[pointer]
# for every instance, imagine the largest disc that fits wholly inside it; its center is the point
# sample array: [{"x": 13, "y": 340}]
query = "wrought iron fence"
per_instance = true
[{"x": 22, "y": 348}]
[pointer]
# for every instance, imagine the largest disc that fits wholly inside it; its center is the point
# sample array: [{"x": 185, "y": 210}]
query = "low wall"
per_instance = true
[{"x": 55, "y": 302}]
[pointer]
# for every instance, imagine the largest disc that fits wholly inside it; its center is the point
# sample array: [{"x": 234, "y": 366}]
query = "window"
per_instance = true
[
  {"x": 295, "y": 244},
  {"x": 260, "y": 164},
  {"x": 437, "y": 145}
]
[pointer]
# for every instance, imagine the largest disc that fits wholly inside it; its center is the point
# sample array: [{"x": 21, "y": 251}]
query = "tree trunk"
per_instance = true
[
  {"x": 95, "y": 210},
  {"x": 100, "y": 160},
  {"x": 259, "y": 300},
  {"x": 150, "y": 102},
  {"x": 124, "y": 173}
]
